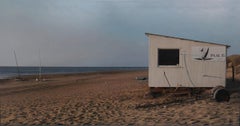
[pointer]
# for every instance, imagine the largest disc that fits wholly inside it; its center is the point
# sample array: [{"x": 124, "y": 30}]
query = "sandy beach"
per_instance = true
[{"x": 105, "y": 98}]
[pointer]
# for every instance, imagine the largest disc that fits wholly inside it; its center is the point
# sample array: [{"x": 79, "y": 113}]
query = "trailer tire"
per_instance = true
[
  {"x": 213, "y": 90},
  {"x": 221, "y": 94}
]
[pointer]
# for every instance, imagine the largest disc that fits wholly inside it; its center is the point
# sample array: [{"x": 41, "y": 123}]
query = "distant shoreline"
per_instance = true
[{"x": 11, "y": 73}]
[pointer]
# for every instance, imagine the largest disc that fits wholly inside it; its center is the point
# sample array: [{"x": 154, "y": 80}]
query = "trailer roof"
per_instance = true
[{"x": 147, "y": 34}]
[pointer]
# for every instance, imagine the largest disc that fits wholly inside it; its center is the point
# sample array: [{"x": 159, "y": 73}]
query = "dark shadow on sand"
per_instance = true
[{"x": 233, "y": 86}]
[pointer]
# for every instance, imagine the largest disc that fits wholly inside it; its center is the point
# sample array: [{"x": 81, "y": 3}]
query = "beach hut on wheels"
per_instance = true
[{"x": 183, "y": 63}]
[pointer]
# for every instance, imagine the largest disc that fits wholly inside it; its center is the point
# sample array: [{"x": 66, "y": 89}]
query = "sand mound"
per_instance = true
[{"x": 234, "y": 59}]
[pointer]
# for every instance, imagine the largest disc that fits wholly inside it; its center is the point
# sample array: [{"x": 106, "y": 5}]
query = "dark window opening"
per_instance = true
[{"x": 168, "y": 56}]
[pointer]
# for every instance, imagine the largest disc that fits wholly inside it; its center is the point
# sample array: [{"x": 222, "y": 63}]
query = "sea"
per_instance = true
[{"x": 8, "y": 72}]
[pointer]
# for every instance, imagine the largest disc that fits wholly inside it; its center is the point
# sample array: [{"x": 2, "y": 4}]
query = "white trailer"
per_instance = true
[{"x": 180, "y": 62}]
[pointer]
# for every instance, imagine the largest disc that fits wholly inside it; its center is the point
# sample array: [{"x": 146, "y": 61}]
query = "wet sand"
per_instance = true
[{"x": 105, "y": 98}]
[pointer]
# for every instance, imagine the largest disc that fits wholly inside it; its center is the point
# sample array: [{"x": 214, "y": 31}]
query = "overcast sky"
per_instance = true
[{"x": 108, "y": 32}]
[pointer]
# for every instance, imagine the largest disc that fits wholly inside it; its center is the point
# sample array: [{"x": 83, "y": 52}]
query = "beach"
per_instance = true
[{"x": 105, "y": 98}]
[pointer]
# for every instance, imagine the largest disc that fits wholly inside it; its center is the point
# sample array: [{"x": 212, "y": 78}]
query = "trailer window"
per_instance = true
[{"x": 168, "y": 56}]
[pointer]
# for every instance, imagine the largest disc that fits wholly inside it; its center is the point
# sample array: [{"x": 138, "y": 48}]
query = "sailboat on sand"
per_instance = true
[
  {"x": 39, "y": 78},
  {"x": 40, "y": 68},
  {"x": 18, "y": 78}
]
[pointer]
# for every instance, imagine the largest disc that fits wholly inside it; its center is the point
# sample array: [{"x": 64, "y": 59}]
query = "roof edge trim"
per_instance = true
[{"x": 147, "y": 34}]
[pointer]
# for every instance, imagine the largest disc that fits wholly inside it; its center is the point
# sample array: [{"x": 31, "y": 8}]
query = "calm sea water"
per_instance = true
[{"x": 6, "y": 72}]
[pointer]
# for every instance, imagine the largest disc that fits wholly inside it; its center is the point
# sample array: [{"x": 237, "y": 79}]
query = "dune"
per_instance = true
[{"x": 234, "y": 59}]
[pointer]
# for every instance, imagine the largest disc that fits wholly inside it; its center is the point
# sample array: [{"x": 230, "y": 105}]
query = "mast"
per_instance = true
[
  {"x": 40, "y": 66},
  {"x": 18, "y": 70}
]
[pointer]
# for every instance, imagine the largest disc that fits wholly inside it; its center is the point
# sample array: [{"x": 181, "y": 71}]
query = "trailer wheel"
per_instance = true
[
  {"x": 221, "y": 94},
  {"x": 213, "y": 90}
]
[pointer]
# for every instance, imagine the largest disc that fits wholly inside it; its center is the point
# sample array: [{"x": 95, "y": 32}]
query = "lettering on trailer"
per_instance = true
[{"x": 208, "y": 53}]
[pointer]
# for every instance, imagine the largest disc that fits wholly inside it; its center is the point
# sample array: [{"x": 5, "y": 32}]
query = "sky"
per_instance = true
[{"x": 108, "y": 32}]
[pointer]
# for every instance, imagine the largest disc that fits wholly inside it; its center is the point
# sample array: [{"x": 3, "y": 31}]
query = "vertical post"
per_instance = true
[
  {"x": 233, "y": 73},
  {"x": 17, "y": 64}
]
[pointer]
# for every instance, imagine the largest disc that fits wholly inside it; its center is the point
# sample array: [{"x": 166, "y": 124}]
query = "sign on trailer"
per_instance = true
[{"x": 210, "y": 53}]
